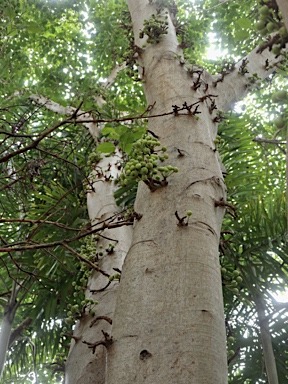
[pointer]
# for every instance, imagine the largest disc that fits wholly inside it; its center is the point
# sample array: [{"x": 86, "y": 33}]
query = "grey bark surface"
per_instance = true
[
  {"x": 6, "y": 331},
  {"x": 268, "y": 352},
  {"x": 283, "y": 6},
  {"x": 169, "y": 322},
  {"x": 82, "y": 365},
  {"x": 168, "y": 326}
]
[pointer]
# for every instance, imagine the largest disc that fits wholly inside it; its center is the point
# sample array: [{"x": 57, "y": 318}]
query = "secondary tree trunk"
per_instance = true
[
  {"x": 83, "y": 366},
  {"x": 5, "y": 332},
  {"x": 269, "y": 358}
]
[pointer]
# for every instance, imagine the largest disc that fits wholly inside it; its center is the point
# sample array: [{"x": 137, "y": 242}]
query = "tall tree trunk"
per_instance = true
[
  {"x": 169, "y": 321},
  {"x": 83, "y": 366},
  {"x": 168, "y": 325}
]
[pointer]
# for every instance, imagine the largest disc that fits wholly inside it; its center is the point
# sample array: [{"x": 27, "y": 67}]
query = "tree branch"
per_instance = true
[
  {"x": 15, "y": 248},
  {"x": 17, "y": 331},
  {"x": 58, "y": 108},
  {"x": 28, "y": 221},
  {"x": 40, "y": 138},
  {"x": 91, "y": 124},
  {"x": 236, "y": 84},
  {"x": 84, "y": 260},
  {"x": 269, "y": 141}
]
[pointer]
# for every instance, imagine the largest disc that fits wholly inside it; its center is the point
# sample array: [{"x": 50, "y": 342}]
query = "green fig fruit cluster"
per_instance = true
[
  {"x": 268, "y": 23},
  {"x": 253, "y": 80},
  {"x": 144, "y": 163},
  {"x": 154, "y": 28},
  {"x": 94, "y": 157},
  {"x": 115, "y": 277},
  {"x": 218, "y": 140},
  {"x": 76, "y": 311},
  {"x": 231, "y": 279},
  {"x": 89, "y": 252}
]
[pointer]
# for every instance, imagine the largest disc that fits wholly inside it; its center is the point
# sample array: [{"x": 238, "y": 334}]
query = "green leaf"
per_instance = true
[
  {"x": 106, "y": 147},
  {"x": 108, "y": 131},
  {"x": 245, "y": 23},
  {"x": 241, "y": 34}
]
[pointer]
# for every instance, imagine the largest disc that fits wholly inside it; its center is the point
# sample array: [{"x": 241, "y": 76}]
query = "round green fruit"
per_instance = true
[
  {"x": 263, "y": 18},
  {"x": 263, "y": 32},
  {"x": 279, "y": 122},
  {"x": 230, "y": 353},
  {"x": 134, "y": 174},
  {"x": 239, "y": 279},
  {"x": 260, "y": 25},
  {"x": 283, "y": 31},
  {"x": 271, "y": 27},
  {"x": 149, "y": 165},
  {"x": 144, "y": 171},
  {"x": 231, "y": 339},
  {"x": 264, "y": 10},
  {"x": 276, "y": 50}
]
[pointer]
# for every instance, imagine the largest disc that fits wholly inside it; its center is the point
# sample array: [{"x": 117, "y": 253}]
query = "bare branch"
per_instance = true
[
  {"x": 28, "y": 221},
  {"x": 15, "y": 248},
  {"x": 35, "y": 142},
  {"x": 269, "y": 141},
  {"x": 81, "y": 258}
]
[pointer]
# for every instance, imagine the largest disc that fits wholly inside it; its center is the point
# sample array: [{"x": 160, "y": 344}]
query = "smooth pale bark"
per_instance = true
[
  {"x": 235, "y": 86},
  {"x": 5, "y": 332},
  {"x": 17, "y": 331},
  {"x": 82, "y": 366},
  {"x": 287, "y": 182},
  {"x": 169, "y": 322},
  {"x": 283, "y": 6},
  {"x": 270, "y": 363}
]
